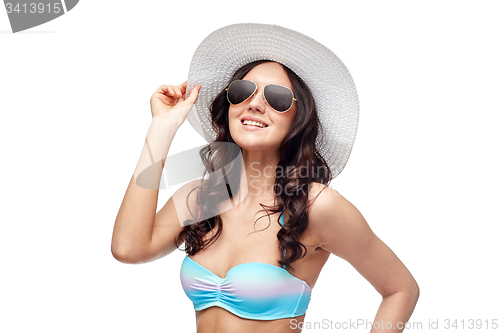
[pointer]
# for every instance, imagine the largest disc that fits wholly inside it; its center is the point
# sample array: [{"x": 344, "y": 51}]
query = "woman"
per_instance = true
[{"x": 257, "y": 233}]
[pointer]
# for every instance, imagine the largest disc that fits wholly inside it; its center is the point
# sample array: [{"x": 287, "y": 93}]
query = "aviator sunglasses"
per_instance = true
[{"x": 278, "y": 97}]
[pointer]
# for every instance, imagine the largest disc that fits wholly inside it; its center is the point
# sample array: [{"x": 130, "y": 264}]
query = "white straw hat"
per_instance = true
[{"x": 227, "y": 49}]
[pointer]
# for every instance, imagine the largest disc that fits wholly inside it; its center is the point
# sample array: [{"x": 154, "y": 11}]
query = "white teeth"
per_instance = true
[{"x": 250, "y": 122}]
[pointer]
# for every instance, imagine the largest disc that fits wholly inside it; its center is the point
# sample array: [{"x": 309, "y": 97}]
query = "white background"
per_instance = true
[{"x": 74, "y": 102}]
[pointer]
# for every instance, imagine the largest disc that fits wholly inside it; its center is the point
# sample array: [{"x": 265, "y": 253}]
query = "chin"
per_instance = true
[
  {"x": 251, "y": 140},
  {"x": 255, "y": 144}
]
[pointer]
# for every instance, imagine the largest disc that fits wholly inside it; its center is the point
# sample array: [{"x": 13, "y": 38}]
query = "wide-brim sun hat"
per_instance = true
[{"x": 227, "y": 49}]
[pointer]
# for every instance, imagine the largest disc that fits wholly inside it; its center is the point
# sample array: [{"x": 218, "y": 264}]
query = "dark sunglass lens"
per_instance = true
[
  {"x": 239, "y": 91},
  {"x": 279, "y": 98}
]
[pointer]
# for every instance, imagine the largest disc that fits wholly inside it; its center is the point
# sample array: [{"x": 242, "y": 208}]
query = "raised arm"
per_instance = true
[
  {"x": 140, "y": 234},
  {"x": 344, "y": 232}
]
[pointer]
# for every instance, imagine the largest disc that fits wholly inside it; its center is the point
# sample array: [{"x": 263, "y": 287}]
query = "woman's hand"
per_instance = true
[{"x": 169, "y": 103}]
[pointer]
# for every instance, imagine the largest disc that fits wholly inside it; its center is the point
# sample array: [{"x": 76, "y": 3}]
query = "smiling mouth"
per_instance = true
[{"x": 253, "y": 123}]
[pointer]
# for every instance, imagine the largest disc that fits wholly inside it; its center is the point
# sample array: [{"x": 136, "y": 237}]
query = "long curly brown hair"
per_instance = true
[{"x": 290, "y": 189}]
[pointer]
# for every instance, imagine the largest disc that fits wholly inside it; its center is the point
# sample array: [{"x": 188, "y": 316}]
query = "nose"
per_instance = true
[{"x": 257, "y": 101}]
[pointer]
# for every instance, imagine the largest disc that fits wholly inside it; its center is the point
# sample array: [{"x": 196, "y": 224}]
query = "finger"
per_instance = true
[
  {"x": 171, "y": 91},
  {"x": 178, "y": 91},
  {"x": 183, "y": 87},
  {"x": 161, "y": 90},
  {"x": 163, "y": 87},
  {"x": 165, "y": 93},
  {"x": 164, "y": 90},
  {"x": 194, "y": 94}
]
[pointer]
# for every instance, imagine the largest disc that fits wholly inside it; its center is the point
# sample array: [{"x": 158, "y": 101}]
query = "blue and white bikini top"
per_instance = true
[{"x": 251, "y": 290}]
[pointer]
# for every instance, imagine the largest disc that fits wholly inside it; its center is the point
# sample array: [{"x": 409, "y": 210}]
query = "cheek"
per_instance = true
[
  {"x": 288, "y": 127},
  {"x": 233, "y": 112},
  {"x": 289, "y": 120}
]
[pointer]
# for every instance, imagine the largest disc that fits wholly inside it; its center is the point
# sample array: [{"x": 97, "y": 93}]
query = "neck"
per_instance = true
[{"x": 258, "y": 175}]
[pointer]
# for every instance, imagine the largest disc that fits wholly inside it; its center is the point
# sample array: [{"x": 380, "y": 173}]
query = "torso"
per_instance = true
[{"x": 241, "y": 243}]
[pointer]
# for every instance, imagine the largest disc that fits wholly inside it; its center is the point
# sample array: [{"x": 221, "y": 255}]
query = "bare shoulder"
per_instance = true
[
  {"x": 321, "y": 199},
  {"x": 335, "y": 220},
  {"x": 317, "y": 188}
]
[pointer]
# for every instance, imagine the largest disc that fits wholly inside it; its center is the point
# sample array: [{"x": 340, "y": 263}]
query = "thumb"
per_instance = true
[{"x": 193, "y": 96}]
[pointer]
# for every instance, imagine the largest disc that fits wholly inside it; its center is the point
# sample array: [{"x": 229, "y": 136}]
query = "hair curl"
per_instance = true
[{"x": 291, "y": 190}]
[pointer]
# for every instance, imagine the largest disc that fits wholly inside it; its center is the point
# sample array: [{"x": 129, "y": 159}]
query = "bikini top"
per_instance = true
[{"x": 251, "y": 290}]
